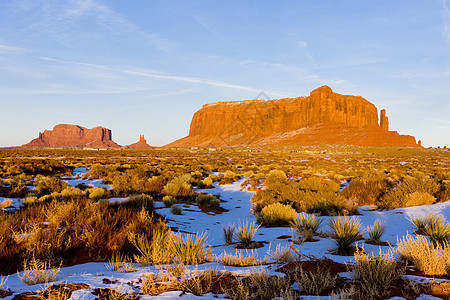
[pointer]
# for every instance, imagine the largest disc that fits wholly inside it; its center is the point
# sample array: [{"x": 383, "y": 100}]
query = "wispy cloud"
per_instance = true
[
  {"x": 446, "y": 20},
  {"x": 422, "y": 73},
  {"x": 6, "y": 49},
  {"x": 62, "y": 20},
  {"x": 155, "y": 74}
]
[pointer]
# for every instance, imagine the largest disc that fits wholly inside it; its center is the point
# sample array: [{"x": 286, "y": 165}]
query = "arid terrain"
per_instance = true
[{"x": 237, "y": 223}]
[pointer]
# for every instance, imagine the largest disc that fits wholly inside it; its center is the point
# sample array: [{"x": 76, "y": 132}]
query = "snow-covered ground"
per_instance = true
[
  {"x": 238, "y": 204},
  {"x": 76, "y": 179}
]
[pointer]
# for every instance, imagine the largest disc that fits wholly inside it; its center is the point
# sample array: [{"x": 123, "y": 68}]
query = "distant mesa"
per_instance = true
[
  {"x": 74, "y": 136},
  {"x": 142, "y": 144},
  {"x": 322, "y": 118}
]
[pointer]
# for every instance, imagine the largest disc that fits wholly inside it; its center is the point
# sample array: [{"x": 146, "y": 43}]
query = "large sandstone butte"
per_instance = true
[
  {"x": 322, "y": 118},
  {"x": 141, "y": 144},
  {"x": 73, "y": 136}
]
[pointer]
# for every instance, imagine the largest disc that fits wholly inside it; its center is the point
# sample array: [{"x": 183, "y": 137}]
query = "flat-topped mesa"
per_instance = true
[
  {"x": 289, "y": 121},
  {"x": 73, "y": 136},
  {"x": 261, "y": 118}
]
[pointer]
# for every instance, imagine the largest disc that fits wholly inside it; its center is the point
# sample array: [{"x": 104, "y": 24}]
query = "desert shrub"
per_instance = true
[
  {"x": 368, "y": 189},
  {"x": 200, "y": 282},
  {"x": 433, "y": 260},
  {"x": 62, "y": 214},
  {"x": 245, "y": 233},
  {"x": 138, "y": 201},
  {"x": 311, "y": 194},
  {"x": 313, "y": 282},
  {"x": 317, "y": 184},
  {"x": 229, "y": 177},
  {"x": 115, "y": 263},
  {"x": 275, "y": 176},
  {"x": 155, "y": 250},
  {"x": 434, "y": 226},
  {"x": 276, "y": 214},
  {"x": 444, "y": 193},
  {"x": 72, "y": 193},
  {"x": 155, "y": 184},
  {"x": 419, "y": 198},
  {"x": 105, "y": 227},
  {"x": 282, "y": 254},
  {"x": 375, "y": 274},
  {"x": 121, "y": 184},
  {"x": 269, "y": 287},
  {"x": 9, "y": 246},
  {"x": 376, "y": 231},
  {"x": 207, "y": 182},
  {"x": 96, "y": 193},
  {"x": 169, "y": 201},
  {"x": 37, "y": 271},
  {"x": 228, "y": 233},
  {"x": 6, "y": 203},
  {"x": 189, "y": 248},
  {"x": 420, "y": 223},
  {"x": 48, "y": 185},
  {"x": 345, "y": 231},
  {"x": 46, "y": 198},
  {"x": 239, "y": 259},
  {"x": 305, "y": 226},
  {"x": 306, "y": 222},
  {"x": 240, "y": 290},
  {"x": 207, "y": 200},
  {"x": 98, "y": 171},
  {"x": 178, "y": 187},
  {"x": 176, "y": 209},
  {"x": 47, "y": 243},
  {"x": 437, "y": 229},
  {"x": 30, "y": 200},
  {"x": 410, "y": 192}
]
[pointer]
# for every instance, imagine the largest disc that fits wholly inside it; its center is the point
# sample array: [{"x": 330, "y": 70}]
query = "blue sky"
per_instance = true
[{"x": 144, "y": 67}]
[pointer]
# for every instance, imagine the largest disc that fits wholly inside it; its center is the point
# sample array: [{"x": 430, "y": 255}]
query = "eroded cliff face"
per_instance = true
[
  {"x": 73, "y": 136},
  {"x": 323, "y": 117}
]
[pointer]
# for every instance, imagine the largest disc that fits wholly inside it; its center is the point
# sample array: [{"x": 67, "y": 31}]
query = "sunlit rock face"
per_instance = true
[
  {"x": 323, "y": 117},
  {"x": 141, "y": 144},
  {"x": 73, "y": 136}
]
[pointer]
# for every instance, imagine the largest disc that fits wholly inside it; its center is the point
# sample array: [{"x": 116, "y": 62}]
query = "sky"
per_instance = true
[{"x": 145, "y": 66}]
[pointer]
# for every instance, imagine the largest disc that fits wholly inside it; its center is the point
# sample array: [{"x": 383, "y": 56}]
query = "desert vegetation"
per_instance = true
[{"x": 135, "y": 210}]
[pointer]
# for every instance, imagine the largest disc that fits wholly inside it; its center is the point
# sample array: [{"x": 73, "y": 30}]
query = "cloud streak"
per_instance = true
[
  {"x": 156, "y": 75},
  {"x": 445, "y": 20},
  {"x": 6, "y": 49}
]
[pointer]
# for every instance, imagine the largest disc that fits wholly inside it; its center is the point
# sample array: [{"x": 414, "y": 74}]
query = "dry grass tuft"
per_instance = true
[
  {"x": 276, "y": 214},
  {"x": 345, "y": 231},
  {"x": 245, "y": 233},
  {"x": 239, "y": 259},
  {"x": 428, "y": 258},
  {"x": 375, "y": 274},
  {"x": 269, "y": 287},
  {"x": 37, "y": 271},
  {"x": 313, "y": 282}
]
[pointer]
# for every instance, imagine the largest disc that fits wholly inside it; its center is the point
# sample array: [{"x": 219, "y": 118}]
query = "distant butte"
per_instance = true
[
  {"x": 322, "y": 118},
  {"x": 74, "y": 136},
  {"x": 142, "y": 144}
]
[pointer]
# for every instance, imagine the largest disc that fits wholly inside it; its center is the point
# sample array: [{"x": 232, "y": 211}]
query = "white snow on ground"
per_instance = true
[
  {"x": 238, "y": 204},
  {"x": 75, "y": 180},
  {"x": 16, "y": 203}
]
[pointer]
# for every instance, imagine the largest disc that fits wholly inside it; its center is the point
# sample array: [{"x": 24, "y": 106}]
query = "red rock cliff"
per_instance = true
[
  {"x": 73, "y": 136},
  {"x": 141, "y": 144},
  {"x": 324, "y": 117}
]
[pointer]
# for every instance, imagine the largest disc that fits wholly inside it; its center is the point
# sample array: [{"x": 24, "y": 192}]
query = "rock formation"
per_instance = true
[
  {"x": 73, "y": 136},
  {"x": 323, "y": 117},
  {"x": 142, "y": 144}
]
